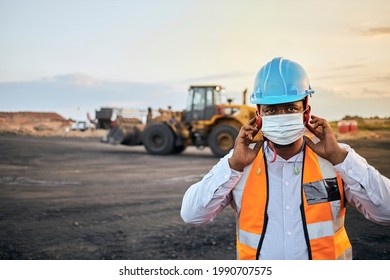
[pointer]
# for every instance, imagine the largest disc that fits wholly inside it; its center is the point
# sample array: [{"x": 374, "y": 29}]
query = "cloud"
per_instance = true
[
  {"x": 375, "y": 31},
  {"x": 72, "y": 95},
  {"x": 222, "y": 76},
  {"x": 354, "y": 78},
  {"x": 339, "y": 72},
  {"x": 335, "y": 76},
  {"x": 71, "y": 79},
  {"x": 348, "y": 67},
  {"x": 371, "y": 92},
  {"x": 335, "y": 105}
]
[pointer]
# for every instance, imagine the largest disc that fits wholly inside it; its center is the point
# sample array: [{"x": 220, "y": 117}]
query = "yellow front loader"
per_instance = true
[{"x": 206, "y": 122}]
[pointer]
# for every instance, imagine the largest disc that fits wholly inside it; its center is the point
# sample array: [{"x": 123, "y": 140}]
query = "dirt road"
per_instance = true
[{"x": 77, "y": 198}]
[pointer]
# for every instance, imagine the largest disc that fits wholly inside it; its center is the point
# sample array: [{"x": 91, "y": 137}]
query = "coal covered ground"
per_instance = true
[{"x": 80, "y": 199}]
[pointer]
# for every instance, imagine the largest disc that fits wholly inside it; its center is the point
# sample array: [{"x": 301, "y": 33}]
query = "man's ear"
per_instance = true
[
  {"x": 258, "y": 120},
  {"x": 258, "y": 116},
  {"x": 306, "y": 117}
]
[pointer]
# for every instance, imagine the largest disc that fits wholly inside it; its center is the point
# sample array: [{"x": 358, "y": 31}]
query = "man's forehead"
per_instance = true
[{"x": 282, "y": 104}]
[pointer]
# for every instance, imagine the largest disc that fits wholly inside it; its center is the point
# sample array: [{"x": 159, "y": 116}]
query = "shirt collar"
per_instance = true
[{"x": 270, "y": 155}]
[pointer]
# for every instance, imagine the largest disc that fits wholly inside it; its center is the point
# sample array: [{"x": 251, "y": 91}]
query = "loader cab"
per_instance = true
[{"x": 202, "y": 101}]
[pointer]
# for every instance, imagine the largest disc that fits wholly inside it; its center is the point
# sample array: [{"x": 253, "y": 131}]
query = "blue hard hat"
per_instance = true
[{"x": 280, "y": 81}]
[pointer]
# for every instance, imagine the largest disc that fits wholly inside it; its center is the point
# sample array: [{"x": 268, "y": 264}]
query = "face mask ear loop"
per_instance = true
[
  {"x": 306, "y": 115},
  {"x": 296, "y": 170},
  {"x": 273, "y": 160},
  {"x": 273, "y": 149}
]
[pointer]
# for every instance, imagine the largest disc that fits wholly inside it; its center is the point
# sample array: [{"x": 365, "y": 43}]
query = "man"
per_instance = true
[{"x": 289, "y": 190}]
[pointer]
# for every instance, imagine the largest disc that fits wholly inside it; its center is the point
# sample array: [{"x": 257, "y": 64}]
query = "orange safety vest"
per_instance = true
[{"x": 323, "y": 209}]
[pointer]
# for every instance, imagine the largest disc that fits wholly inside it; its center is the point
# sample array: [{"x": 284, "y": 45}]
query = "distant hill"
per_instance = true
[{"x": 40, "y": 124}]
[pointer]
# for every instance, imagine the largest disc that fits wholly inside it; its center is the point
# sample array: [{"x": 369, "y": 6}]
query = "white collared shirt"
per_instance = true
[{"x": 365, "y": 189}]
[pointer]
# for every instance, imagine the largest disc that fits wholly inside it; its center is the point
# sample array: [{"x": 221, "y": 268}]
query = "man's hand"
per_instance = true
[
  {"x": 327, "y": 148},
  {"x": 242, "y": 154}
]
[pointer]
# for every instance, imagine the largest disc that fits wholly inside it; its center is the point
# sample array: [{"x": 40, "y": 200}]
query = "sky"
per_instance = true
[{"x": 74, "y": 57}]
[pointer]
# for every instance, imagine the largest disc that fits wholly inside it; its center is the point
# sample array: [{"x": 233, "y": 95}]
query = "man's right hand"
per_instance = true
[{"x": 243, "y": 155}]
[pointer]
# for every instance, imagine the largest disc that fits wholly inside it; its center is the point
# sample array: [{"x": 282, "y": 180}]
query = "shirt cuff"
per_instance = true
[
  {"x": 225, "y": 177},
  {"x": 353, "y": 168},
  {"x": 220, "y": 181},
  {"x": 227, "y": 171}
]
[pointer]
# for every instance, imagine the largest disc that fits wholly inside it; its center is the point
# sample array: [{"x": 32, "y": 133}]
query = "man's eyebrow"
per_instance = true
[
  {"x": 291, "y": 104},
  {"x": 269, "y": 106},
  {"x": 277, "y": 105}
]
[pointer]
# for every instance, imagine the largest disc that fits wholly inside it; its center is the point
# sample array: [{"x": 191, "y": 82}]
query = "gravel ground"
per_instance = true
[{"x": 77, "y": 198}]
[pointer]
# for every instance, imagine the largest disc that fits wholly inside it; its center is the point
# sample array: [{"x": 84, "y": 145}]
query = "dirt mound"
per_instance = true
[
  {"x": 41, "y": 124},
  {"x": 78, "y": 199},
  {"x": 53, "y": 124}
]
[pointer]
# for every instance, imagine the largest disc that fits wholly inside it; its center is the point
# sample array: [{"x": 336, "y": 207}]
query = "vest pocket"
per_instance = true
[{"x": 322, "y": 191}]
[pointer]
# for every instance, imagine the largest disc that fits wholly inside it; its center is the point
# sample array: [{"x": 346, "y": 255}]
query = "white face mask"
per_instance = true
[{"x": 283, "y": 129}]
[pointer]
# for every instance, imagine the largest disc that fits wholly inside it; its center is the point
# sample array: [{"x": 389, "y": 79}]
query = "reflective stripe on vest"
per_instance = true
[{"x": 323, "y": 209}]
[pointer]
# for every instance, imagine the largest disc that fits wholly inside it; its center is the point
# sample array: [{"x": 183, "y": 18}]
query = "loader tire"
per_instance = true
[
  {"x": 178, "y": 149},
  {"x": 158, "y": 139},
  {"x": 221, "y": 139}
]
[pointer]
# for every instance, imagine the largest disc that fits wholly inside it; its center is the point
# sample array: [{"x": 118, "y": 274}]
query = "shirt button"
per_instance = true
[
  {"x": 289, "y": 233},
  {"x": 288, "y": 207},
  {"x": 286, "y": 183},
  {"x": 350, "y": 172},
  {"x": 226, "y": 176}
]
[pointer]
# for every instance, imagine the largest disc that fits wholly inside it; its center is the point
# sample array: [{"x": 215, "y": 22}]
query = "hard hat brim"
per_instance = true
[{"x": 271, "y": 100}]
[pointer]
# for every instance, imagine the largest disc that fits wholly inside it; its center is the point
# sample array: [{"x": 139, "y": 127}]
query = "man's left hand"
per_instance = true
[{"x": 327, "y": 148}]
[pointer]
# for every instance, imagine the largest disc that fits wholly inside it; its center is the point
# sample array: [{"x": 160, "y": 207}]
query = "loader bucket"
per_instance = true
[{"x": 125, "y": 134}]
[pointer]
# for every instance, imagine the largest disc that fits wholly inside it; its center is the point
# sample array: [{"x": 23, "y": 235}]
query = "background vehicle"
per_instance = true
[
  {"x": 207, "y": 121},
  {"x": 81, "y": 126}
]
